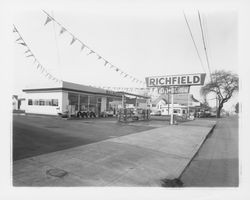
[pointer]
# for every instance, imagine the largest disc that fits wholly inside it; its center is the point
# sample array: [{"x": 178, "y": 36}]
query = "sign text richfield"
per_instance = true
[{"x": 176, "y": 80}]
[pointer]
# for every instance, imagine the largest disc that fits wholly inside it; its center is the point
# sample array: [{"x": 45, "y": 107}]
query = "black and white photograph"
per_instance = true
[{"x": 125, "y": 94}]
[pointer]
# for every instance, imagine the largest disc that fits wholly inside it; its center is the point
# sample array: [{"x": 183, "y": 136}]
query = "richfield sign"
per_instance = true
[{"x": 176, "y": 80}]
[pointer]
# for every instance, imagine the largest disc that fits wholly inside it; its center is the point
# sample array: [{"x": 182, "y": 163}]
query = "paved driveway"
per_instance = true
[{"x": 35, "y": 135}]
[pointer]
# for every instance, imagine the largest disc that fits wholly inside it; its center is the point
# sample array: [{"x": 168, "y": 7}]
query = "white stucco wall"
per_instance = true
[{"x": 39, "y": 109}]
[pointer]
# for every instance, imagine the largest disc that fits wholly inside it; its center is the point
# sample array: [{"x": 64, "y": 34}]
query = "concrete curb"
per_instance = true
[{"x": 207, "y": 136}]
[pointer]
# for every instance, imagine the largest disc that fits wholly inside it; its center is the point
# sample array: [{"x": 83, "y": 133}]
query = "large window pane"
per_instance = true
[
  {"x": 48, "y": 102},
  {"x": 41, "y": 102},
  {"x": 92, "y": 100},
  {"x": 54, "y": 102},
  {"x": 73, "y": 99},
  {"x": 30, "y": 102},
  {"x": 83, "y": 102},
  {"x": 36, "y": 102}
]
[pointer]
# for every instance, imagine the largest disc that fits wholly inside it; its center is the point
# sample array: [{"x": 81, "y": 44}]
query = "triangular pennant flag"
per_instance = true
[
  {"x": 73, "y": 40},
  {"x": 31, "y": 55},
  {"x": 62, "y": 30},
  {"x": 19, "y": 39},
  {"x": 106, "y": 62},
  {"x": 23, "y": 43},
  {"x": 47, "y": 20},
  {"x": 99, "y": 57},
  {"x": 83, "y": 46},
  {"x": 91, "y": 51},
  {"x": 14, "y": 30}
]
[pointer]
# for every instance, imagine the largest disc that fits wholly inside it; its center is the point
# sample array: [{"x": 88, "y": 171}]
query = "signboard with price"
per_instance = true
[
  {"x": 175, "y": 89},
  {"x": 175, "y": 84}
]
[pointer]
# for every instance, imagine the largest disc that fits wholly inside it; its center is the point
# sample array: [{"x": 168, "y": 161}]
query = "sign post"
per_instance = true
[{"x": 172, "y": 107}]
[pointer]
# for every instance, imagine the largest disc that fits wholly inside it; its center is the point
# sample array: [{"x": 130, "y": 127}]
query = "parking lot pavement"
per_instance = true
[
  {"x": 140, "y": 159},
  {"x": 35, "y": 135}
]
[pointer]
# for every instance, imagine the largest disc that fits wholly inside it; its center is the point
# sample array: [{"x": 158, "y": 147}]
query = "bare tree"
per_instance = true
[{"x": 224, "y": 84}]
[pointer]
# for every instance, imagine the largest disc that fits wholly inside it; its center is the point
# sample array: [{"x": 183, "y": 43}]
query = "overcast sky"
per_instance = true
[{"x": 142, "y": 40}]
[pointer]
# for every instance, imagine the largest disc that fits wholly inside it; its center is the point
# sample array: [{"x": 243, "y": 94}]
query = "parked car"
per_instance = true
[
  {"x": 107, "y": 114},
  {"x": 155, "y": 113}
]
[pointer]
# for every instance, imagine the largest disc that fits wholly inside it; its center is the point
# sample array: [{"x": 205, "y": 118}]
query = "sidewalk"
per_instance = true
[{"x": 140, "y": 159}]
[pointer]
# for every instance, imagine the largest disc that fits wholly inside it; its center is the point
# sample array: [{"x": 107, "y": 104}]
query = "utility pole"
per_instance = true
[
  {"x": 216, "y": 99},
  {"x": 172, "y": 106},
  {"x": 188, "y": 105},
  {"x": 168, "y": 99}
]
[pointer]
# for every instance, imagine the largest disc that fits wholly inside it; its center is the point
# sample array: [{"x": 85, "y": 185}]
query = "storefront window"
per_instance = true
[
  {"x": 41, "y": 102},
  {"x": 54, "y": 102},
  {"x": 83, "y": 102},
  {"x": 73, "y": 100},
  {"x": 48, "y": 102},
  {"x": 36, "y": 102},
  {"x": 92, "y": 100},
  {"x": 93, "y": 103},
  {"x": 30, "y": 102}
]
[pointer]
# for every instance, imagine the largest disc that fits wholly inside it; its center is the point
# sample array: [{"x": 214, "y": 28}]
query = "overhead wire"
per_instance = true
[
  {"x": 196, "y": 48},
  {"x": 204, "y": 45}
]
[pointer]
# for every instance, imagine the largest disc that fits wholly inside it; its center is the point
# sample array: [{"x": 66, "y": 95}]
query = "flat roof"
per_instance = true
[{"x": 73, "y": 87}]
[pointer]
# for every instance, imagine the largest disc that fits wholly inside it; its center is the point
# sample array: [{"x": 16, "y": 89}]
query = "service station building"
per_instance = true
[{"x": 70, "y": 97}]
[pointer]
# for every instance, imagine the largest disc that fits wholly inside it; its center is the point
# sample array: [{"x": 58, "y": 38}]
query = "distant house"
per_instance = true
[
  {"x": 14, "y": 102},
  {"x": 17, "y": 103},
  {"x": 182, "y": 104}
]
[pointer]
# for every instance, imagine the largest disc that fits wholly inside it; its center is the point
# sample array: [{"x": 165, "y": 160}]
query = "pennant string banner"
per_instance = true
[
  {"x": 62, "y": 30},
  {"x": 91, "y": 51},
  {"x": 73, "y": 40},
  {"x": 47, "y": 20},
  {"x": 83, "y": 46},
  {"x": 38, "y": 66}
]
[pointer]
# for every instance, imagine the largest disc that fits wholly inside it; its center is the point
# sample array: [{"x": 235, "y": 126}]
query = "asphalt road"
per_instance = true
[
  {"x": 216, "y": 164},
  {"x": 35, "y": 135}
]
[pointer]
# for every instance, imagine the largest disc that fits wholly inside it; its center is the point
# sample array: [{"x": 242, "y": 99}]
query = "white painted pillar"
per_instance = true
[
  {"x": 103, "y": 104},
  {"x": 88, "y": 101},
  {"x": 78, "y": 103}
]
